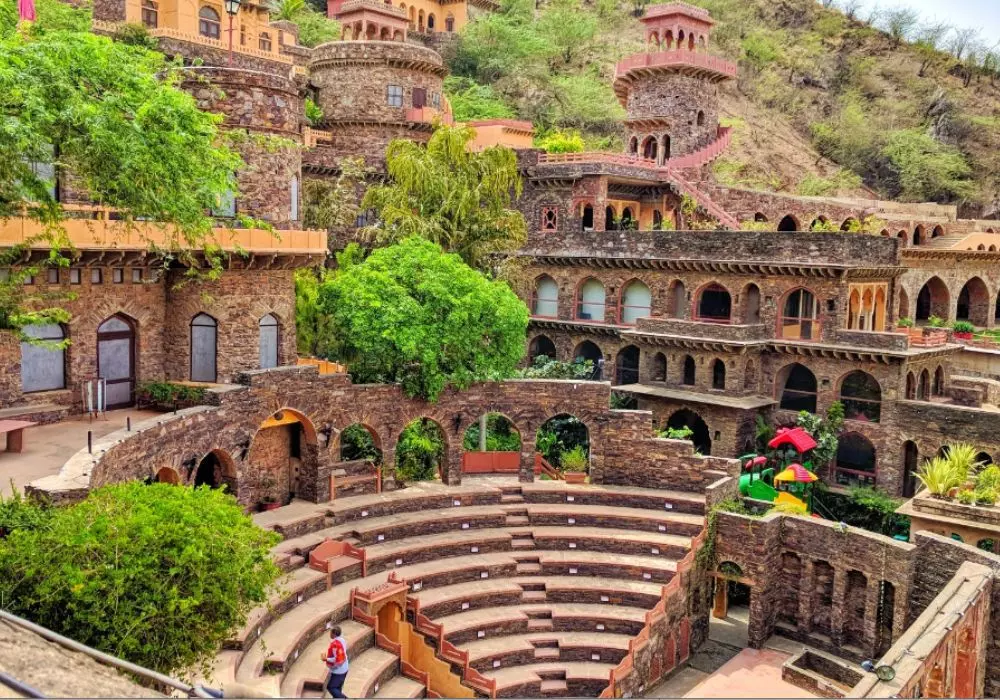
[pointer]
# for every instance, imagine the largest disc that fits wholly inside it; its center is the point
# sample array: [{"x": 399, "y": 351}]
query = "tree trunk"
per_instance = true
[{"x": 482, "y": 432}]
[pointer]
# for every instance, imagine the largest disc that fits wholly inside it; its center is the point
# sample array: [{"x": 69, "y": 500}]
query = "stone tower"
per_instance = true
[{"x": 670, "y": 93}]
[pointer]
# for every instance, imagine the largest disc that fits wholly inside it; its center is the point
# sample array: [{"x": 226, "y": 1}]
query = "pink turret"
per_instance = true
[{"x": 677, "y": 26}]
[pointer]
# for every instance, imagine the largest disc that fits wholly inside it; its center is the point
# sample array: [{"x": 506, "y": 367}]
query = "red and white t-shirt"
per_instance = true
[{"x": 336, "y": 656}]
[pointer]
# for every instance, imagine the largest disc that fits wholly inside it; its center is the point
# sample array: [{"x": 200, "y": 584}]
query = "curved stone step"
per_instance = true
[
  {"x": 308, "y": 667},
  {"x": 401, "y": 687},
  {"x": 524, "y": 649},
  {"x": 521, "y": 681}
]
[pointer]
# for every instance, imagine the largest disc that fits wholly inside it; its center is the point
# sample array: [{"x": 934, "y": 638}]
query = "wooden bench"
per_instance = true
[{"x": 15, "y": 433}]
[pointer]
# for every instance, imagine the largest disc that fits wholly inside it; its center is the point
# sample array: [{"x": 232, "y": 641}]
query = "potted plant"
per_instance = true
[
  {"x": 905, "y": 322},
  {"x": 574, "y": 465},
  {"x": 963, "y": 330},
  {"x": 270, "y": 500}
]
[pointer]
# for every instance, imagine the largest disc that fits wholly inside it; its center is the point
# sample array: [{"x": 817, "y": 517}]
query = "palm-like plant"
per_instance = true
[
  {"x": 963, "y": 458},
  {"x": 286, "y": 9},
  {"x": 939, "y": 476}
]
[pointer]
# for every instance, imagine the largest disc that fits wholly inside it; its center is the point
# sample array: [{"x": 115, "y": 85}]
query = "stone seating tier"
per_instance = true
[{"x": 540, "y": 594}]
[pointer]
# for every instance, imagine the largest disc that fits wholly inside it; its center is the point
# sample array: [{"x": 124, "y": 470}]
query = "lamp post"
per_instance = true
[{"x": 232, "y": 9}]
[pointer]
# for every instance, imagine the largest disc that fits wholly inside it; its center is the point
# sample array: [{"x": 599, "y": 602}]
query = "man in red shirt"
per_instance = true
[{"x": 336, "y": 662}]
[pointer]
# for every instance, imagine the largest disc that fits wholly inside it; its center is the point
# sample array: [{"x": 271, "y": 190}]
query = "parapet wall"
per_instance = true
[{"x": 623, "y": 448}]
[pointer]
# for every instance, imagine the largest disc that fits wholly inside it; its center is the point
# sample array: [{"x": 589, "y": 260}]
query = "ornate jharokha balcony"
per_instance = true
[
  {"x": 92, "y": 228},
  {"x": 704, "y": 64}
]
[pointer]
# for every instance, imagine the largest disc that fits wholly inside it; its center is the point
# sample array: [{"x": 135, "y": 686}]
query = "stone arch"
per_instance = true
[
  {"x": 653, "y": 38},
  {"x": 885, "y": 233},
  {"x": 348, "y": 448},
  {"x": 919, "y": 237},
  {"x": 588, "y": 350},
  {"x": 167, "y": 475},
  {"x": 545, "y": 297},
  {"x": 937, "y": 388},
  {"x": 718, "y": 374},
  {"x": 665, "y": 147},
  {"x": 627, "y": 219},
  {"x": 750, "y": 302},
  {"x": 924, "y": 387},
  {"x": 788, "y": 223},
  {"x": 609, "y": 218},
  {"x": 431, "y": 22},
  {"x": 701, "y": 438},
  {"x": 541, "y": 345},
  {"x": 650, "y": 148},
  {"x": 795, "y": 388},
  {"x": 571, "y": 431},
  {"x": 798, "y": 317},
  {"x": 635, "y": 303},
  {"x": 850, "y": 224},
  {"x": 591, "y": 301},
  {"x": 973, "y": 303},
  {"x": 700, "y": 118},
  {"x": 857, "y": 461},
  {"x": 760, "y": 218},
  {"x": 713, "y": 303},
  {"x": 215, "y": 470},
  {"x": 861, "y": 395},
  {"x": 413, "y": 466},
  {"x": 627, "y": 365},
  {"x": 904, "y": 303},
  {"x": 659, "y": 367},
  {"x": 911, "y": 386},
  {"x": 932, "y": 300},
  {"x": 937, "y": 231},
  {"x": 901, "y": 235},
  {"x": 587, "y": 217},
  {"x": 633, "y": 145},
  {"x": 819, "y": 222},
  {"x": 677, "y": 299}
]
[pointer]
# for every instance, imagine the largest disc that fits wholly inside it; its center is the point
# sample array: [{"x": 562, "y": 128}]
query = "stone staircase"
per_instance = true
[{"x": 539, "y": 586}]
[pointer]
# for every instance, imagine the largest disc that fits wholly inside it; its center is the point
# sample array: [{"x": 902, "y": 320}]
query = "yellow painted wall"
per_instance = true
[
  {"x": 498, "y": 135},
  {"x": 420, "y": 655},
  {"x": 182, "y": 16},
  {"x": 413, "y": 8}
]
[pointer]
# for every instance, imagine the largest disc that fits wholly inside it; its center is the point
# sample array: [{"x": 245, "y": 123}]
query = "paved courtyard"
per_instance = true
[{"x": 47, "y": 447}]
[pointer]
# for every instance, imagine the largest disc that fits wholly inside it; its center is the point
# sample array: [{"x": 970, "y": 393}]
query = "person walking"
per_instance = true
[{"x": 336, "y": 663}]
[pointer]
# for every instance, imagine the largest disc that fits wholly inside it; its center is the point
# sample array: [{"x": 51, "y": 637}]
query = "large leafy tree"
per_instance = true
[
  {"x": 441, "y": 192},
  {"x": 157, "y": 574},
  {"x": 111, "y": 115},
  {"x": 415, "y": 315}
]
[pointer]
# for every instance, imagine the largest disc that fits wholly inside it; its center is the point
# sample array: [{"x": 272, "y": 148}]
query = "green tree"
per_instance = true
[
  {"x": 470, "y": 101},
  {"x": 314, "y": 332},
  {"x": 314, "y": 27},
  {"x": 925, "y": 169},
  {"x": 460, "y": 200},
  {"x": 160, "y": 575},
  {"x": 414, "y": 315},
  {"x": 566, "y": 29},
  {"x": 420, "y": 451},
  {"x": 334, "y": 204}
]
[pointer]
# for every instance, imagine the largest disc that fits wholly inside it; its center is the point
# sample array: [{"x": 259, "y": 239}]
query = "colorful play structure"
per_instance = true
[{"x": 793, "y": 484}]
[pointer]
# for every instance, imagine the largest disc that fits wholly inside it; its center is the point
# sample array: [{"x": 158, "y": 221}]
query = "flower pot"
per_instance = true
[
  {"x": 963, "y": 335},
  {"x": 575, "y": 477}
]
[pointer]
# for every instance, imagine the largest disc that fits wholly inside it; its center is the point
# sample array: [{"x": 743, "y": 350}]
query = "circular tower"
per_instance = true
[
  {"x": 259, "y": 103},
  {"x": 372, "y": 92},
  {"x": 670, "y": 93}
]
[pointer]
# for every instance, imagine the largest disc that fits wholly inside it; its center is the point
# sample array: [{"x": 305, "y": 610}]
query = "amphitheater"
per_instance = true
[{"x": 512, "y": 582}]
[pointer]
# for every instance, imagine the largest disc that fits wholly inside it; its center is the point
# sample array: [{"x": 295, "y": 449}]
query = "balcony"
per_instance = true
[
  {"x": 704, "y": 329},
  {"x": 221, "y": 44},
  {"x": 93, "y": 228},
  {"x": 683, "y": 58}
]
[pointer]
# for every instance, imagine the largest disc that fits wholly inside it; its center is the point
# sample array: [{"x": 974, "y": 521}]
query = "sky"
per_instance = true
[{"x": 980, "y": 14}]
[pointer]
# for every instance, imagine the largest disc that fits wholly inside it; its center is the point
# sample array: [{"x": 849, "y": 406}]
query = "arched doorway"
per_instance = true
[
  {"x": 587, "y": 220},
  {"x": 686, "y": 418},
  {"x": 718, "y": 374},
  {"x": 421, "y": 451},
  {"x": 627, "y": 365},
  {"x": 689, "y": 371},
  {"x": 973, "y": 302},
  {"x": 284, "y": 443},
  {"x": 932, "y": 300},
  {"x": 609, "y": 219},
  {"x": 541, "y": 346},
  {"x": 204, "y": 347},
  {"x": 910, "y": 457},
  {"x": 268, "y": 331},
  {"x": 587, "y": 350},
  {"x": 215, "y": 470},
  {"x": 359, "y": 442},
  {"x": 659, "y": 373},
  {"x": 714, "y": 304},
  {"x": 788, "y": 223},
  {"x": 491, "y": 445},
  {"x": 856, "y": 460},
  {"x": 751, "y": 304},
  {"x": 116, "y": 359},
  {"x": 167, "y": 475},
  {"x": 649, "y": 148},
  {"x": 563, "y": 435}
]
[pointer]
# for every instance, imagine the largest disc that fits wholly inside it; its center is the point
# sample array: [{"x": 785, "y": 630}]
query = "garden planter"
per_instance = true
[
  {"x": 963, "y": 336},
  {"x": 575, "y": 477}
]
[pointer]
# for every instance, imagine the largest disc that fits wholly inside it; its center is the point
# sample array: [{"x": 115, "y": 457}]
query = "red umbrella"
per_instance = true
[{"x": 796, "y": 437}]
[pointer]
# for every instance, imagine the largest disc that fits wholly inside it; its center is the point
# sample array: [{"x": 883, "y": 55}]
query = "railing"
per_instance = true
[
  {"x": 219, "y": 44},
  {"x": 375, "y": 5},
  {"x": 542, "y": 466},
  {"x": 704, "y": 201},
  {"x": 194, "y": 691},
  {"x": 449, "y": 652},
  {"x": 675, "y": 57},
  {"x": 600, "y": 157},
  {"x": 100, "y": 230},
  {"x": 704, "y": 155}
]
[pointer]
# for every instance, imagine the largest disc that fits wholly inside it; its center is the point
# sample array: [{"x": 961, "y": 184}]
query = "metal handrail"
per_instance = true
[
  {"x": 107, "y": 659},
  {"x": 20, "y": 688}
]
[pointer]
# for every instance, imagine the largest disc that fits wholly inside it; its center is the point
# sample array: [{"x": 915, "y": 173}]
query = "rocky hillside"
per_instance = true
[{"x": 824, "y": 104}]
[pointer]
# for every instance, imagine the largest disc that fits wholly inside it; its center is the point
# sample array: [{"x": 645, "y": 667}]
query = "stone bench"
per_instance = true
[
  {"x": 682, "y": 524},
  {"x": 610, "y": 541},
  {"x": 526, "y": 649},
  {"x": 559, "y": 679},
  {"x": 614, "y": 496},
  {"x": 545, "y": 617}
]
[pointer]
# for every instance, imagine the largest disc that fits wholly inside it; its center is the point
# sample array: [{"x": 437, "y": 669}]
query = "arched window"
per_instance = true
[
  {"x": 649, "y": 148},
  {"x": 587, "y": 221},
  {"x": 545, "y": 300},
  {"x": 937, "y": 231},
  {"x": 609, "y": 219},
  {"x": 751, "y": 304},
  {"x": 208, "y": 22},
  {"x": 588, "y": 351},
  {"x": 861, "y": 396},
  {"x": 659, "y": 367},
  {"x": 449, "y": 23},
  {"x": 800, "y": 316},
  {"x": 590, "y": 301},
  {"x": 797, "y": 385},
  {"x": 264, "y": 43},
  {"x": 540, "y": 346},
  {"x": 918, "y": 235},
  {"x": 788, "y": 223},
  {"x": 911, "y": 386},
  {"x": 626, "y": 221},
  {"x": 204, "y": 340},
  {"x": 689, "y": 371},
  {"x": 43, "y": 367},
  {"x": 430, "y": 22},
  {"x": 923, "y": 389},
  {"x": 938, "y": 387},
  {"x": 715, "y": 304},
  {"x": 678, "y": 299},
  {"x": 268, "y": 331},
  {"x": 759, "y": 217},
  {"x": 666, "y": 147},
  {"x": 700, "y": 119},
  {"x": 856, "y": 462},
  {"x": 150, "y": 13},
  {"x": 850, "y": 224},
  {"x": 718, "y": 374},
  {"x": 633, "y": 145},
  {"x": 294, "y": 195},
  {"x": 973, "y": 302},
  {"x": 686, "y": 418},
  {"x": 636, "y": 302}
]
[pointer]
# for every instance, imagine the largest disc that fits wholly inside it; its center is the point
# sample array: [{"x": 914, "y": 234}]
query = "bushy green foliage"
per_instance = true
[
  {"x": 682, "y": 433},
  {"x": 824, "y": 431},
  {"x": 170, "y": 393},
  {"x": 500, "y": 435},
  {"x": 18, "y": 513},
  {"x": 157, "y": 574},
  {"x": 315, "y": 27},
  {"x": 988, "y": 478},
  {"x": 420, "y": 451},
  {"x": 815, "y": 186},
  {"x": 546, "y": 368},
  {"x": 936, "y": 322},
  {"x": 415, "y": 315},
  {"x": 357, "y": 443},
  {"x": 923, "y": 169},
  {"x": 867, "y": 508},
  {"x": 333, "y": 203},
  {"x": 313, "y": 112},
  {"x": 939, "y": 476},
  {"x": 561, "y": 142},
  {"x": 460, "y": 200},
  {"x": 574, "y": 460},
  {"x": 561, "y": 434},
  {"x": 471, "y": 101},
  {"x": 963, "y": 327}
]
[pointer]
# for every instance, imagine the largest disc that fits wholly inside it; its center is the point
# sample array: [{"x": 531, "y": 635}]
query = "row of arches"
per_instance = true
[
  {"x": 371, "y": 31},
  {"x": 790, "y": 222},
  {"x": 974, "y": 303},
  {"x": 614, "y": 219},
  {"x": 420, "y": 22},
  {"x": 669, "y": 40},
  {"x": 799, "y": 316},
  {"x": 656, "y": 148},
  {"x": 920, "y": 387},
  {"x": 44, "y": 367}
]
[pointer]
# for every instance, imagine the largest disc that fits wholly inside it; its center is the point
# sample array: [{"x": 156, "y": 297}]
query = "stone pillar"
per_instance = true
[
  {"x": 804, "y": 619},
  {"x": 721, "y": 603},
  {"x": 526, "y": 473}
]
